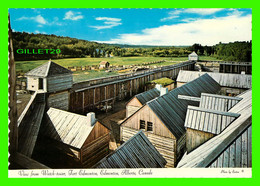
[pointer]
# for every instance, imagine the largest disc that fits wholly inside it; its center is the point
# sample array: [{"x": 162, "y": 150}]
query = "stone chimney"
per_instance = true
[
  {"x": 158, "y": 87},
  {"x": 163, "y": 91},
  {"x": 91, "y": 118}
]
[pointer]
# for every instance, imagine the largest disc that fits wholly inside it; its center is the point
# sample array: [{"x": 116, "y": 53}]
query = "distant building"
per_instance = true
[
  {"x": 231, "y": 84},
  {"x": 104, "y": 64},
  {"x": 235, "y": 67},
  {"x": 81, "y": 140},
  {"x": 162, "y": 119},
  {"x": 54, "y": 80},
  {"x": 137, "y": 152},
  {"x": 193, "y": 57}
]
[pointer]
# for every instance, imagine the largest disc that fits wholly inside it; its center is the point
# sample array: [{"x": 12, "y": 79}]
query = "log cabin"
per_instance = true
[
  {"x": 104, "y": 64},
  {"x": 231, "y": 84},
  {"x": 82, "y": 140},
  {"x": 137, "y": 152},
  {"x": 230, "y": 148},
  {"x": 140, "y": 99},
  {"x": 162, "y": 119},
  {"x": 209, "y": 119},
  {"x": 53, "y": 80}
]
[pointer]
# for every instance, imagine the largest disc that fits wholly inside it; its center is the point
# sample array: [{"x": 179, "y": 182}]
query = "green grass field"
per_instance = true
[{"x": 25, "y": 66}]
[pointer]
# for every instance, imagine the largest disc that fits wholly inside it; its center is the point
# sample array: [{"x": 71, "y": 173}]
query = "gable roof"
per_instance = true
[
  {"x": 146, "y": 96},
  {"x": 193, "y": 54},
  {"x": 224, "y": 79},
  {"x": 172, "y": 111},
  {"x": 209, "y": 152},
  {"x": 48, "y": 69},
  {"x": 218, "y": 102},
  {"x": 103, "y": 62},
  {"x": 207, "y": 120},
  {"x": 68, "y": 128},
  {"x": 137, "y": 152}
]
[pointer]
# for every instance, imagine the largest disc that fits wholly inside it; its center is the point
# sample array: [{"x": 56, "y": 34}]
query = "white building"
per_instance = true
[{"x": 193, "y": 57}]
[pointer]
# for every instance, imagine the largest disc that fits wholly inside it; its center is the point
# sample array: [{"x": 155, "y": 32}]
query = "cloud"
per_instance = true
[
  {"x": 201, "y": 11},
  {"x": 108, "y": 19},
  {"x": 39, "y": 19},
  {"x": 73, "y": 16},
  {"x": 204, "y": 31},
  {"x": 38, "y": 32},
  {"x": 109, "y": 22}
]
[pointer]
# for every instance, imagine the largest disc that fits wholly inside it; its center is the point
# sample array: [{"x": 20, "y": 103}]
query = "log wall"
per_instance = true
[
  {"x": 195, "y": 138},
  {"x": 96, "y": 146},
  {"x": 165, "y": 146},
  {"x": 97, "y": 93}
]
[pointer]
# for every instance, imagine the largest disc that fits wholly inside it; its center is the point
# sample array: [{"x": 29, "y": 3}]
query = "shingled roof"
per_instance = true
[
  {"x": 172, "y": 111},
  {"x": 224, "y": 79},
  {"x": 193, "y": 54},
  {"x": 67, "y": 127},
  {"x": 48, "y": 69},
  {"x": 137, "y": 152},
  {"x": 146, "y": 96},
  {"x": 232, "y": 147}
]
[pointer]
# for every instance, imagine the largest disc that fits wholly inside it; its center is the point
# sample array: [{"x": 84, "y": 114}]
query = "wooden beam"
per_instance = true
[
  {"x": 13, "y": 134},
  {"x": 27, "y": 162},
  {"x": 220, "y": 96},
  {"x": 189, "y": 98},
  {"x": 230, "y": 114}
]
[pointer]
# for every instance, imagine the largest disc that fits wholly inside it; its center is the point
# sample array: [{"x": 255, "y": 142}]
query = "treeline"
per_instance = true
[
  {"x": 237, "y": 51},
  {"x": 76, "y": 48},
  {"x": 69, "y": 47}
]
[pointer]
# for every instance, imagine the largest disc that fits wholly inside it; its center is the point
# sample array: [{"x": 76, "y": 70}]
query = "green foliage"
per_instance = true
[
  {"x": 70, "y": 47},
  {"x": 162, "y": 81},
  {"x": 237, "y": 51}
]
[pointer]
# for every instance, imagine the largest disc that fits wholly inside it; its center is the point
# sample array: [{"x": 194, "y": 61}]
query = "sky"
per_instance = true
[{"x": 165, "y": 27}]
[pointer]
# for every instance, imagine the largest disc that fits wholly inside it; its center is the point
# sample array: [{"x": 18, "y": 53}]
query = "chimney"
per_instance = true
[
  {"x": 163, "y": 91},
  {"x": 158, "y": 87},
  {"x": 91, "y": 118}
]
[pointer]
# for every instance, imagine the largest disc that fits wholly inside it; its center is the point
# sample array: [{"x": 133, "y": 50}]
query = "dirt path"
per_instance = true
[{"x": 113, "y": 118}]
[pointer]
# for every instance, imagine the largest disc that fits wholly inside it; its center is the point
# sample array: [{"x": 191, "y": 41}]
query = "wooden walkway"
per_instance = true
[{"x": 29, "y": 129}]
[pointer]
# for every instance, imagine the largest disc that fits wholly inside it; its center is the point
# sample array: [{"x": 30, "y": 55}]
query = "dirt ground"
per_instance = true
[{"x": 113, "y": 118}]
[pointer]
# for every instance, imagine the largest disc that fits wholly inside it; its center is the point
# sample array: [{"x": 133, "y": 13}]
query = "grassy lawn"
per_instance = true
[
  {"x": 26, "y": 66},
  {"x": 91, "y": 74}
]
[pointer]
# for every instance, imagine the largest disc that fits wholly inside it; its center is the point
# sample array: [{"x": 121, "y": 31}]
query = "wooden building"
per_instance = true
[
  {"x": 231, "y": 84},
  {"x": 54, "y": 80},
  {"x": 235, "y": 67},
  {"x": 81, "y": 139},
  {"x": 231, "y": 145},
  {"x": 104, "y": 64},
  {"x": 140, "y": 99},
  {"x": 162, "y": 119},
  {"x": 137, "y": 152},
  {"x": 193, "y": 57},
  {"x": 209, "y": 119}
]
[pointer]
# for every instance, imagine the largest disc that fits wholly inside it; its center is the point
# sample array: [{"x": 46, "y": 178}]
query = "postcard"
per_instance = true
[{"x": 130, "y": 93}]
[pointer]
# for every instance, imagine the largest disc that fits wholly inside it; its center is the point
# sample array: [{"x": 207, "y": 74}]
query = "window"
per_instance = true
[
  {"x": 142, "y": 124},
  {"x": 149, "y": 126}
]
